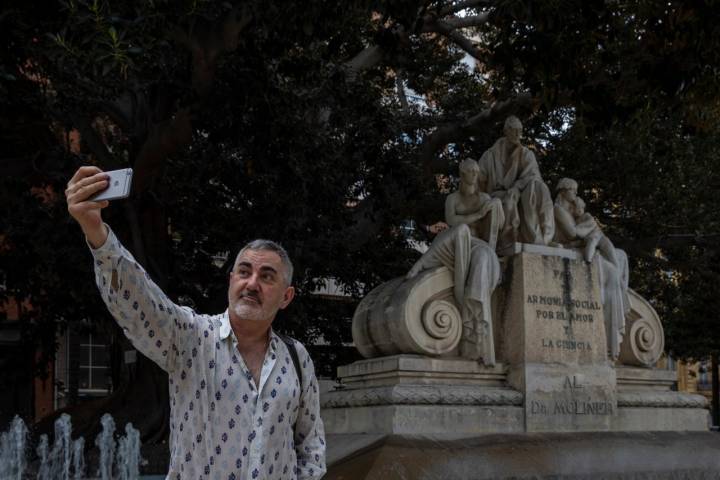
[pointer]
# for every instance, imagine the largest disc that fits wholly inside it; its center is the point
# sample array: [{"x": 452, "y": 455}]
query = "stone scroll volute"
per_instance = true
[
  {"x": 416, "y": 315},
  {"x": 644, "y": 338}
]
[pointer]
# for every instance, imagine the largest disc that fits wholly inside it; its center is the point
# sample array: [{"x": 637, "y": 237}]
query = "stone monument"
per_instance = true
[{"x": 517, "y": 319}]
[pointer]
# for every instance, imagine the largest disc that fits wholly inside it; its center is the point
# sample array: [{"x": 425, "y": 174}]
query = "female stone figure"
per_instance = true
[
  {"x": 468, "y": 205},
  {"x": 579, "y": 228},
  {"x": 473, "y": 262},
  {"x": 574, "y": 227}
]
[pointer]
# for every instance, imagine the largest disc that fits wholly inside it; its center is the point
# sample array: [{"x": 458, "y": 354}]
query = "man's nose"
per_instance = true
[{"x": 253, "y": 282}]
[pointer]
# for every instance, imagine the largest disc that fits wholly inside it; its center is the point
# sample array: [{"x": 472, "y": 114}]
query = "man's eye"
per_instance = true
[
  {"x": 243, "y": 273},
  {"x": 269, "y": 277}
]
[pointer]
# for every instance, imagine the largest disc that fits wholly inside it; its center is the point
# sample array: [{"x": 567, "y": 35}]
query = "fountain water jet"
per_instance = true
[
  {"x": 12, "y": 450},
  {"x": 128, "y": 457},
  {"x": 66, "y": 460},
  {"x": 106, "y": 443}
]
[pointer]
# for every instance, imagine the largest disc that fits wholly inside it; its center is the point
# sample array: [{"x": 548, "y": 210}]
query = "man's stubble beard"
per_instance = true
[{"x": 247, "y": 312}]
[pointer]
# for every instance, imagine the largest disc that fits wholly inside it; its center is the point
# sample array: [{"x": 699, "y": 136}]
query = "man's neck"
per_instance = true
[{"x": 249, "y": 334}]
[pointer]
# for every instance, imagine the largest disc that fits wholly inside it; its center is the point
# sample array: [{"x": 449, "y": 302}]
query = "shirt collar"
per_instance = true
[{"x": 226, "y": 331}]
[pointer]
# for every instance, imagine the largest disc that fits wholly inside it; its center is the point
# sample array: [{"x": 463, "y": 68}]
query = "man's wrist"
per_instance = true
[{"x": 96, "y": 237}]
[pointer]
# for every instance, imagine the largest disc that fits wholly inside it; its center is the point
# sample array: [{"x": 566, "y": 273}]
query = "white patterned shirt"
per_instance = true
[{"x": 222, "y": 425}]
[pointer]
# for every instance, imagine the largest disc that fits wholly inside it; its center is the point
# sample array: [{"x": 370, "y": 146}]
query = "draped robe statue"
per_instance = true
[
  {"x": 510, "y": 173},
  {"x": 574, "y": 227},
  {"x": 473, "y": 262}
]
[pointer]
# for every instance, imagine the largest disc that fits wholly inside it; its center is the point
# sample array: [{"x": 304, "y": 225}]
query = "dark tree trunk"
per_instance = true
[{"x": 715, "y": 390}]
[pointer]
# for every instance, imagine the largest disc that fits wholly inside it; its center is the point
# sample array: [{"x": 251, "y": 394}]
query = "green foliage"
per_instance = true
[{"x": 282, "y": 143}]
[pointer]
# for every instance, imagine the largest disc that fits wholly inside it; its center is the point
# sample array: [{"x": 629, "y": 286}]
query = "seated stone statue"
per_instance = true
[
  {"x": 474, "y": 264},
  {"x": 468, "y": 205},
  {"x": 575, "y": 228},
  {"x": 510, "y": 173}
]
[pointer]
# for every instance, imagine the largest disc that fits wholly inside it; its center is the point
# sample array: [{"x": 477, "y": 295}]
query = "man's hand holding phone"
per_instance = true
[{"x": 88, "y": 192}]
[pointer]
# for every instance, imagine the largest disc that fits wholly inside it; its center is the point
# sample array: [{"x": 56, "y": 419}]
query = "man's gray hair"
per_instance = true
[{"x": 269, "y": 245}]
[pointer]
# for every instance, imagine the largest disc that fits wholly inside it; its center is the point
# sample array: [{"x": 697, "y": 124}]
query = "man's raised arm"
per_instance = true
[{"x": 149, "y": 319}]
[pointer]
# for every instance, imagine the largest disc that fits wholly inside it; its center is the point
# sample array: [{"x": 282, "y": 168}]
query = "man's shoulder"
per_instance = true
[{"x": 292, "y": 342}]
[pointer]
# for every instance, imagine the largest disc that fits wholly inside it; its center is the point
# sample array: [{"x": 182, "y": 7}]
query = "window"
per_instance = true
[{"x": 93, "y": 374}]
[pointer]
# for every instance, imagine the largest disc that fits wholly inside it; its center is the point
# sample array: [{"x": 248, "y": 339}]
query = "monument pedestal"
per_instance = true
[
  {"x": 555, "y": 344},
  {"x": 416, "y": 395},
  {"x": 550, "y": 334}
]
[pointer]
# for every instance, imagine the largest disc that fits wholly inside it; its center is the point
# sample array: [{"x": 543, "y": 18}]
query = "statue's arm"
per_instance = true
[
  {"x": 453, "y": 218},
  {"x": 530, "y": 172},
  {"x": 586, "y": 226},
  {"x": 565, "y": 222},
  {"x": 482, "y": 180}
]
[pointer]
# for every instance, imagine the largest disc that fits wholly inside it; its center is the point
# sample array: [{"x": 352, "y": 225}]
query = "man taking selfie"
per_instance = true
[{"x": 244, "y": 400}]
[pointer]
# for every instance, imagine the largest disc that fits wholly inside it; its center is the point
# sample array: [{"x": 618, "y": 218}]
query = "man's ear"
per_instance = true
[{"x": 287, "y": 298}]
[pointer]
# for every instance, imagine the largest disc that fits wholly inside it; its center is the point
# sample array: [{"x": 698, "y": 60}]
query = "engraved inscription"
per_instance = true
[
  {"x": 563, "y": 302},
  {"x": 572, "y": 383},
  {"x": 566, "y": 344},
  {"x": 562, "y": 275},
  {"x": 571, "y": 407},
  {"x": 574, "y": 407},
  {"x": 560, "y": 315}
]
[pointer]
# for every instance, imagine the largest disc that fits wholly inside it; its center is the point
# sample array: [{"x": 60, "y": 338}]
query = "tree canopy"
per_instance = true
[{"x": 329, "y": 125}]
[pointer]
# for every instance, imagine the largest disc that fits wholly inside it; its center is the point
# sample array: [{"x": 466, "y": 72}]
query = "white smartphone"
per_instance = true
[{"x": 118, "y": 185}]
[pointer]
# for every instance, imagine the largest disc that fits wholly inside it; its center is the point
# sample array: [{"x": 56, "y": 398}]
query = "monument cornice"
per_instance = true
[
  {"x": 661, "y": 400},
  {"x": 422, "y": 395}
]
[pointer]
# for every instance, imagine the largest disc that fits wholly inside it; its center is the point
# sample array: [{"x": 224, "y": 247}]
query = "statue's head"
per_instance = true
[
  {"x": 579, "y": 206},
  {"x": 567, "y": 187},
  {"x": 469, "y": 170},
  {"x": 513, "y": 130}
]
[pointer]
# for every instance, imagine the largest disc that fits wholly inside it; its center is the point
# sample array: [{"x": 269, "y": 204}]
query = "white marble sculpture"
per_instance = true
[
  {"x": 476, "y": 273},
  {"x": 468, "y": 205},
  {"x": 510, "y": 173},
  {"x": 472, "y": 260},
  {"x": 575, "y": 228}
]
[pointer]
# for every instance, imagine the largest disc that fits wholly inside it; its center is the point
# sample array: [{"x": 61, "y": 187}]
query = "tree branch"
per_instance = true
[
  {"x": 451, "y": 9},
  {"x": 461, "y": 130},
  {"x": 463, "y": 22},
  {"x": 433, "y": 25},
  {"x": 163, "y": 139},
  {"x": 400, "y": 86},
  {"x": 208, "y": 41},
  {"x": 364, "y": 60}
]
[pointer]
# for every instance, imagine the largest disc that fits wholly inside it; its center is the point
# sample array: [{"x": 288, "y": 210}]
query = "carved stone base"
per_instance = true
[
  {"x": 417, "y": 395},
  {"x": 424, "y": 419},
  {"x": 420, "y": 370},
  {"x": 413, "y": 394},
  {"x": 561, "y": 456}
]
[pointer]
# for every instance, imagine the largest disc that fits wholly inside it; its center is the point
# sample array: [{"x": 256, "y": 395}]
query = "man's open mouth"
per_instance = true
[{"x": 250, "y": 299}]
